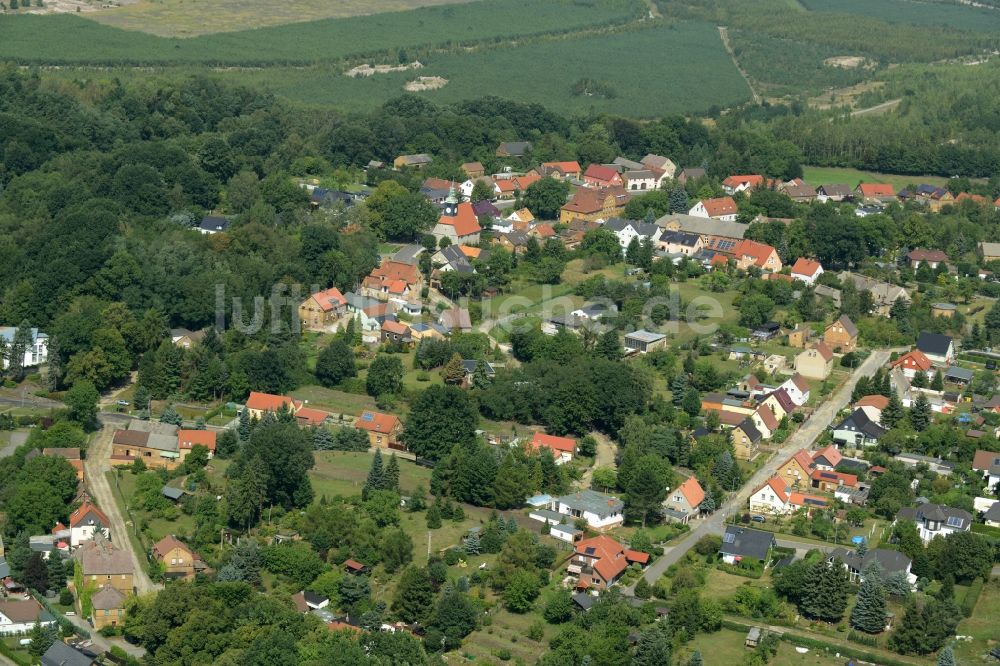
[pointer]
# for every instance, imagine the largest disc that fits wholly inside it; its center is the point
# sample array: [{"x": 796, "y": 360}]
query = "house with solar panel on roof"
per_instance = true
[
  {"x": 383, "y": 429},
  {"x": 743, "y": 543},
  {"x": 936, "y": 520}
]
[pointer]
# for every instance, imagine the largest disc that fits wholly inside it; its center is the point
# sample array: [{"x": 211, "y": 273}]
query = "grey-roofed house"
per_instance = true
[
  {"x": 451, "y": 258},
  {"x": 416, "y": 161},
  {"x": 936, "y": 465},
  {"x": 690, "y": 173},
  {"x": 584, "y": 601},
  {"x": 992, "y": 515},
  {"x": 740, "y": 543},
  {"x": 704, "y": 227},
  {"x": 513, "y": 149},
  {"x": 858, "y": 431},
  {"x": 600, "y": 511},
  {"x": 623, "y": 164},
  {"x": 213, "y": 224},
  {"x": 938, "y": 348},
  {"x": 470, "y": 366},
  {"x": 883, "y": 294},
  {"x": 173, "y": 494},
  {"x": 957, "y": 375},
  {"x": 936, "y": 520},
  {"x": 891, "y": 561},
  {"x": 828, "y": 292},
  {"x": 409, "y": 254},
  {"x": 629, "y": 230},
  {"x": 834, "y": 192},
  {"x": 644, "y": 341},
  {"x": 456, "y": 318},
  {"x": 60, "y": 654}
]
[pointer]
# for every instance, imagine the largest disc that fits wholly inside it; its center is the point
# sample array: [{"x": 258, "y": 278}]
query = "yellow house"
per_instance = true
[
  {"x": 816, "y": 362},
  {"x": 103, "y": 564},
  {"x": 177, "y": 559},
  {"x": 591, "y": 205},
  {"x": 746, "y": 440},
  {"x": 322, "y": 309},
  {"x": 842, "y": 335},
  {"x": 383, "y": 429},
  {"x": 796, "y": 470},
  {"x": 108, "y": 607}
]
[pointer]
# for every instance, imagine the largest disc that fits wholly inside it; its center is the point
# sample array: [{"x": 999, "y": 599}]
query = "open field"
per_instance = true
[
  {"x": 726, "y": 647},
  {"x": 183, "y": 18},
  {"x": 68, "y": 39},
  {"x": 935, "y": 14},
  {"x": 343, "y": 473},
  {"x": 982, "y": 626},
  {"x": 816, "y": 176},
  {"x": 334, "y": 401}
]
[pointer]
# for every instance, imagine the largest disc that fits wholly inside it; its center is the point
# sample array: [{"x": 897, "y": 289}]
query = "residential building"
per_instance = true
[
  {"x": 833, "y": 192},
  {"x": 721, "y": 208},
  {"x": 513, "y": 149},
  {"x": 473, "y": 169},
  {"x": 458, "y": 222},
  {"x": 798, "y": 191},
  {"x": 395, "y": 331},
  {"x": 600, "y": 561},
  {"x": 212, "y": 224},
  {"x": 37, "y": 351},
  {"x": 383, "y": 429},
  {"x": 599, "y": 511},
  {"x": 108, "y": 607},
  {"x": 858, "y": 431},
  {"x": 599, "y": 176},
  {"x": 780, "y": 403},
  {"x": 748, "y": 253},
  {"x": 258, "y": 403},
  {"x": 799, "y": 336},
  {"x": 717, "y": 235},
  {"x": 690, "y": 173},
  {"x": 806, "y": 270},
  {"x": 683, "y": 502},
  {"x": 914, "y": 362},
  {"x": 456, "y": 319},
  {"x": 18, "y": 616},
  {"x": 152, "y": 444},
  {"x": 734, "y": 184},
  {"x": 770, "y": 498},
  {"x": 797, "y": 389},
  {"x": 102, "y": 563},
  {"x": 322, "y": 309},
  {"x": 629, "y": 230},
  {"x": 743, "y": 543},
  {"x": 392, "y": 281},
  {"x": 987, "y": 463},
  {"x": 640, "y": 180},
  {"x": 939, "y": 348},
  {"x": 471, "y": 365},
  {"x": 932, "y": 258},
  {"x": 61, "y": 654},
  {"x": 797, "y": 470},
  {"x": 936, "y": 520},
  {"x": 185, "y": 339},
  {"x": 830, "y": 482},
  {"x": 563, "y": 448},
  {"x": 890, "y": 561},
  {"x": 841, "y": 335},
  {"x": 992, "y": 515},
  {"x": 872, "y": 406},
  {"x": 875, "y": 192},
  {"x": 560, "y": 170},
  {"x": 988, "y": 251},
  {"x": 188, "y": 439},
  {"x": 86, "y": 522},
  {"x": 179, "y": 561},
  {"x": 815, "y": 362},
  {"x": 644, "y": 341},
  {"x": 70, "y": 455},
  {"x": 680, "y": 243},
  {"x": 883, "y": 294},
  {"x": 765, "y": 421},
  {"x": 418, "y": 161},
  {"x": 745, "y": 437},
  {"x": 591, "y": 205}
]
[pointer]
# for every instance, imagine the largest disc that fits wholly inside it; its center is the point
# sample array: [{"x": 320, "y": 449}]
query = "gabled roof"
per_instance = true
[
  {"x": 268, "y": 402},
  {"x": 395, "y": 327},
  {"x": 397, "y": 270},
  {"x": 600, "y": 172},
  {"x": 610, "y": 554},
  {"x": 168, "y": 543},
  {"x": 800, "y": 382},
  {"x": 836, "y": 190},
  {"x": 88, "y": 513},
  {"x": 848, "y": 325},
  {"x": 329, "y": 299},
  {"x": 914, "y": 359},
  {"x": 839, "y": 478},
  {"x": 803, "y": 458},
  {"x": 213, "y": 223},
  {"x": 99, "y": 557},
  {"x": 891, "y": 561},
  {"x": 564, "y": 167},
  {"x": 806, "y": 267},
  {"x": 748, "y": 428},
  {"x": 376, "y": 421},
  {"x": 920, "y": 254},
  {"x": 464, "y": 222},
  {"x": 692, "y": 491},
  {"x": 189, "y": 438},
  {"x": 986, "y": 461},
  {"x": 933, "y": 343},
  {"x": 564, "y": 444},
  {"x": 876, "y": 190},
  {"x": 515, "y": 148},
  {"x": 768, "y": 417},
  {"x": 752, "y": 180},
  {"x": 108, "y": 598},
  {"x": 746, "y": 542},
  {"x": 61, "y": 654},
  {"x": 879, "y": 402},
  {"x": 830, "y": 454},
  {"x": 823, "y": 350},
  {"x": 859, "y": 421},
  {"x": 784, "y": 400},
  {"x": 777, "y": 485},
  {"x": 719, "y": 206},
  {"x": 955, "y": 518}
]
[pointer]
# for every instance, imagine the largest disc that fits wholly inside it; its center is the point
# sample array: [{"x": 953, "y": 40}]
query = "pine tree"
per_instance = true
[
  {"x": 41, "y": 637},
  {"x": 920, "y": 413},
  {"x": 937, "y": 384},
  {"x": 825, "y": 594},
  {"x": 376, "y": 476},
  {"x": 862, "y": 549},
  {"x": 691, "y": 403},
  {"x": 472, "y": 546},
  {"x": 632, "y": 252},
  {"x": 434, "y": 517},
  {"x": 453, "y": 372},
  {"x": 19, "y": 347},
  {"x": 861, "y": 389},
  {"x": 390, "y": 479},
  {"x": 886, "y": 387},
  {"x": 511, "y": 525},
  {"x": 869, "y": 612},
  {"x": 947, "y": 657},
  {"x": 171, "y": 416},
  {"x": 695, "y": 659},
  {"x": 653, "y": 648},
  {"x": 414, "y": 596},
  {"x": 244, "y": 427},
  {"x": 679, "y": 200},
  {"x": 141, "y": 398},
  {"x": 56, "y": 370},
  {"x": 919, "y": 380},
  {"x": 678, "y": 388},
  {"x": 480, "y": 378},
  {"x": 322, "y": 439},
  {"x": 893, "y": 412},
  {"x": 609, "y": 346}
]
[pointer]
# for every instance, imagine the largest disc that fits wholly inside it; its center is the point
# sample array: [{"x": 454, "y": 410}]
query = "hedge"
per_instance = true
[
  {"x": 17, "y": 657},
  {"x": 972, "y": 596}
]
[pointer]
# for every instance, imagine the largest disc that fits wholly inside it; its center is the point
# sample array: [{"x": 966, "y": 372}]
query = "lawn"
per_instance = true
[
  {"x": 982, "y": 626},
  {"x": 343, "y": 473},
  {"x": 816, "y": 176},
  {"x": 727, "y": 647},
  {"x": 333, "y": 400},
  {"x": 507, "y": 632}
]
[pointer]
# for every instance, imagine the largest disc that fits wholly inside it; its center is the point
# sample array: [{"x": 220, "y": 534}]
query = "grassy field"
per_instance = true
[
  {"x": 726, "y": 647},
  {"x": 816, "y": 176},
  {"x": 982, "y": 626},
  {"x": 936, "y": 14},
  {"x": 334, "y": 401},
  {"x": 183, "y": 18},
  {"x": 343, "y": 473},
  {"x": 65, "y": 38}
]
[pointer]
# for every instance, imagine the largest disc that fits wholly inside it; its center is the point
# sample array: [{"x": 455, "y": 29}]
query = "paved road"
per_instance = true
[
  {"x": 803, "y": 438},
  {"x": 105, "y": 643},
  {"x": 97, "y": 463}
]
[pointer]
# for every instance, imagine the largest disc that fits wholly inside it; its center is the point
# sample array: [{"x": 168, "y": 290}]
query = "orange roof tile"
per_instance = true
[
  {"x": 636, "y": 556},
  {"x": 329, "y": 299},
  {"x": 876, "y": 190},
  {"x": 778, "y": 485},
  {"x": 188, "y": 438},
  {"x": 876, "y": 401},
  {"x": 310, "y": 416},
  {"x": 759, "y": 252},
  {"x": 692, "y": 491},
  {"x": 397, "y": 270},
  {"x": 465, "y": 221},
  {"x": 163, "y": 547},
  {"x": 831, "y": 454},
  {"x": 395, "y": 327},
  {"x": 565, "y": 167},
  {"x": 377, "y": 422},
  {"x": 268, "y": 402},
  {"x": 803, "y": 499},
  {"x": 752, "y": 180},
  {"x": 87, "y": 508},
  {"x": 913, "y": 360},
  {"x": 806, "y": 267},
  {"x": 720, "y": 206},
  {"x": 803, "y": 458},
  {"x": 843, "y": 479},
  {"x": 601, "y": 173},
  {"x": 564, "y": 444},
  {"x": 469, "y": 251},
  {"x": 611, "y": 555}
]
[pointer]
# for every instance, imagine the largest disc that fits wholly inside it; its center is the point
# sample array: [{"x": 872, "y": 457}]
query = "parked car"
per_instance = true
[{"x": 758, "y": 519}]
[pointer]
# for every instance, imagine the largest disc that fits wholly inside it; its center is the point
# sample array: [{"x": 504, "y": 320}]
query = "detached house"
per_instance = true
[
  {"x": 858, "y": 431},
  {"x": 107, "y": 607},
  {"x": 600, "y": 176},
  {"x": 938, "y": 348},
  {"x": 680, "y": 242},
  {"x": 891, "y": 561},
  {"x": 591, "y": 205},
  {"x": 628, "y": 230},
  {"x": 513, "y": 149},
  {"x": 683, "y": 502},
  {"x": 104, "y": 564},
  {"x": 179, "y": 561},
  {"x": 721, "y": 208},
  {"x": 914, "y": 362},
  {"x": 815, "y": 362},
  {"x": 932, "y": 258},
  {"x": 872, "y": 406},
  {"x": 322, "y": 309},
  {"x": 834, "y": 192},
  {"x": 875, "y": 192},
  {"x": 560, "y": 170},
  {"x": 987, "y": 463},
  {"x": 600, "y": 561},
  {"x": 394, "y": 281},
  {"x": 734, "y": 184},
  {"x": 936, "y": 520},
  {"x": 18, "y": 616},
  {"x": 563, "y": 448},
  {"x": 741, "y": 543},
  {"x": 86, "y": 522},
  {"x": 601, "y": 512},
  {"x": 841, "y": 335},
  {"x": 761, "y": 255},
  {"x": 806, "y": 270},
  {"x": 383, "y": 429},
  {"x": 260, "y": 403}
]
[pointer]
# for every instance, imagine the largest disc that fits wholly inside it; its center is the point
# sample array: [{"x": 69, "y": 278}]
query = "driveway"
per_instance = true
[
  {"x": 105, "y": 643},
  {"x": 605, "y": 457},
  {"x": 803, "y": 438},
  {"x": 97, "y": 463}
]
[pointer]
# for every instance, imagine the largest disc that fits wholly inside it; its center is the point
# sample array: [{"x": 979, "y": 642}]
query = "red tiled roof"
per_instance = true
[
  {"x": 759, "y": 252},
  {"x": 831, "y": 454},
  {"x": 752, "y": 180},
  {"x": 268, "y": 402},
  {"x": 844, "y": 479},
  {"x": 806, "y": 267},
  {"x": 354, "y": 565},
  {"x": 188, "y": 438},
  {"x": 877, "y": 401},
  {"x": 543, "y": 230},
  {"x": 914, "y": 360},
  {"x": 876, "y": 190},
  {"x": 377, "y": 422},
  {"x": 768, "y": 417},
  {"x": 692, "y": 491},
  {"x": 465, "y": 221},
  {"x": 611, "y": 555},
  {"x": 592, "y": 201},
  {"x": 600, "y": 172},
  {"x": 395, "y": 327},
  {"x": 310, "y": 416},
  {"x": 823, "y": 350},
  {"x": 87, "y": 508},
  {"x": 801, "y": 499},
  {"x": 397, "y": 270},
  {"x": 636, "y": 556},
  {"x": 565, "y": 167},
  {"x": 564, "y": 444},
  {"x": 163, "y": 547},
  {"x": 719, "y": 206},
  {"x": 803, "y": 458},
  {"x": 921, "y": 254},
  {"x": 778, "y": 485},
  {"x": 329, "y": 299}
]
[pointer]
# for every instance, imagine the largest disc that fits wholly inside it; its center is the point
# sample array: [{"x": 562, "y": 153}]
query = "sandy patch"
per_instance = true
[
  {"x": 371, "y": 70},
  {"x": 845, "y": 62},
  {"x": 425, "y": 83}
]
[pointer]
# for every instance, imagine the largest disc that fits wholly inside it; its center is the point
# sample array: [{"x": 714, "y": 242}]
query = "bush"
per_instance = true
[
  {"x": 66, "y": 597},
  {"x": 536, "y": 631},
  {"x": 708, "y": 544},
  {"x": 972, "y": 596}
]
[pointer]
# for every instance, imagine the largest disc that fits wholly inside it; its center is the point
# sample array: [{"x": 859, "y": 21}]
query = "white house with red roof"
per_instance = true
[
  {"x": 872, "y": 406},
  {"x": 681, "y": 504},
  {"x": 600, "y": 561},
  {"x": 563, "y": 448},
  {"x": 806, "y": 270},
  {"x": 914, "y": 362},
  {"x": 751, "y": 253},
  {"x": 86, "y": 522},
  {"x": 742, "y": 183},
  {"x": 875, "y": 192},
  {"x": 600, "y": 176},
  {"x": 797, "y": 389},
  {"x": 720, "y": 208},
  {"x": 776, "y": 498}
]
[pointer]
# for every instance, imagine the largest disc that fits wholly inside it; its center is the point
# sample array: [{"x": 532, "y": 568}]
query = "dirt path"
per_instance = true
[
  {"x": 724, "y": 35},
  {"x": 97, "y": 463},
  {"x": 878, "y": 108},
  {"x": 605, "y": 457}
]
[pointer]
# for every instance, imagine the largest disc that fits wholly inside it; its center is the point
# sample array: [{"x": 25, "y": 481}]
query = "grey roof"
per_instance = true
[
  {"x": 993, "y": 513},
  {"x": 99, "y": 557},
  {"x": 858, "y": 421},
  {"x": 848, "y": 325},
  {"x": 645, "y": 336},
  {"x": 693, "y": 172},
  {"x": 703, "y": 226},
  {"x": 584, "y": 600},
  {"x": 408, "y": 254},
  {"x": 961, "y": 374},
  {"x": 639, "y": 174},
  {"x": 837, "y": 190},
  {"x": 680, "y": 238},
  {"x": 746, "y": 542},
  {"x": 108, "y": 598},
  {"x": 213, "y": 223},
  {"x": 917, "y": 458},
  {"x": 515, "y": 148},
  {"x": 456, "y": 259},
  {"x": 313, "y": 599},
  {"x": 891, "y": 561},
  {"x": 933, "y": 343},
  {"x": 419, "y": 158},
  {"x": 42, "y": 543},
  {"x": 750, "y": 430},
  {"x": 516, "y": 238},
  {"x": 592, "y": 501},
  {"x": 154, "y": 427},
  {"x": 455, "y": 318},
  {"x": 646, "y": 229},
  {"x": 936, "y": 512},
  {"x": 628, "y": 164},
  {"x": 567, "y": 528},
  {"x": 4, "y": 567},
  {"x": 470, "y": 366},
  {"x": 60, "y": 654},
  {"x": 172, "y": 493}
]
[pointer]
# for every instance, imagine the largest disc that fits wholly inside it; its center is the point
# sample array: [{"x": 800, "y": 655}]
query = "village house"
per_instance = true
[
  {"x": 858, "y": 431},
  {"x": 743, "y": 543},
  {"x": 806, "y": 270},
  {"x": 599, "y": 176},
  {"x": 86, "y": 522},
  {"x": 690, "y": 173},
  {"x": 776, "y": 498},
  {"x": 393, "y": 281},
  {"x": 322, "y": 309},
  {"x": 715, "y": 234},
  {"x": 395, "y": 331},
  {"x": 760, "y": 255},
  {"x": 721, "y": 208},
  {"x": 513, "y": 149},
  {"x": 872, "y": 406},
  {"x": 798, "y": 191},
  {"x": 600, "y": 512},
  {"x": 683, "y": 502},
  {"x": 508, "y": 186},
  {"x": 841, "y": 335},
  {"x": 765, "y": 421},
  {"x": 799, "y": 337},
  {"x": 188, "y": 439},
  {"x": 212, "y": 224},
  {"x": 933, "y": 258},
  {"x": 640, "y": 180},
  {"x": 988, "y": 252},
  {"x": 418, "y": 161},
  {"x": 935, "y": 198},
  {"x": 815, "y": 362},
  {"x": 18, "y": 616},
  {"x": 258, "y": 404},
  {"x": 559, "y": 170},
  {"x": 592, "y": 205},
  {"x": 185, "y": 339},
  {"x": 680, "y": 242},
  {"x": 883, "y": 294},
  {"x": 780, "y": 403},
  {"x": 178, "y": 561},
  {"x": 797, "y": 389},
  {"x": 914, "y": 362},
  {"x": 383, "y": 429},
  {"x": 796, "y": 471},
  {"x": 746, "y": 439},
  {"x": 473, "y": 169},
  {"x": 644, "y": 341},
  {"x": 456, "y": 319},
  {"x": 37, "y": 351},
  {"x": 107, "y": 607},
  {"x": 827, "y": 458},
  {"x": 734, "y": 184},
  {"x": 875, "y": 192},
  {"x": 660, "y": 163},
  {"x": 600, "y": 561},
  {"x": 890, "y": 561},
  {"x": 152, "y": 442},
  {"x": 987, "y": 463},
  {"x": 936, "y": 520},
  {"x": 102, "y": 563},
  {"x": 628, "y": 230},
  {"x": 834, "y": 192},
  {"x": 458, "y": 223},
  {"x": 563, "y": 448},
  {"x": 938, "y": 348},
  {"x": 830, "y": 482}
]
